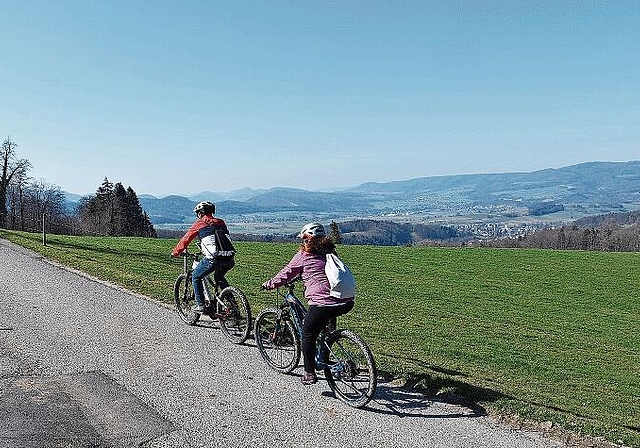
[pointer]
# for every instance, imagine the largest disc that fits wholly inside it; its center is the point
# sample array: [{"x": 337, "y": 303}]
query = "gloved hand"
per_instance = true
[{"x": 264, "y": 286}]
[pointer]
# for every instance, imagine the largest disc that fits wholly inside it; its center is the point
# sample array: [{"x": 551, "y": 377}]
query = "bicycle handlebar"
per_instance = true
[
  {"x": 291, "y": 285},
  {"x": 188, "y": 254}
]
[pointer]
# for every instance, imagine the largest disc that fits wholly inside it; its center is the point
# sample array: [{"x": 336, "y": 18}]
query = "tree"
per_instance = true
[
  {"x": 105, "y": 207},
  {"x": 122, "y": 216},
  {"x": 114, "y": 211},
  {"x": 139, "y": 222},
  {"x": 42, "y": 199},
  {"x": 10, "y": 168},
  {"x": 335, "y": 235},
  {"x": 129, "y": 217},
  {"x": 95, "y": 213},
  {"x": 15, "y": 200}
]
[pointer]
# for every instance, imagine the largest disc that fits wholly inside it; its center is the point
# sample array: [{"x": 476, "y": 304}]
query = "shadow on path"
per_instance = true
[{"x": 404, "y": 402}]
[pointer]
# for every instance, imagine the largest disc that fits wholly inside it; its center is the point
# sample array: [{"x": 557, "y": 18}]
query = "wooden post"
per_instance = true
[{"x": 44, "y": 229}]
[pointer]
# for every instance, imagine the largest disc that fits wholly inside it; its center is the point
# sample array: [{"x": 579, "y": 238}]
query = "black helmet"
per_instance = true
[{"x": 206, "y": 207}]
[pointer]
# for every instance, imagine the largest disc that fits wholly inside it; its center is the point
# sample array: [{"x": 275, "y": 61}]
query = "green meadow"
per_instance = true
[{"x": 550, "y": 336}]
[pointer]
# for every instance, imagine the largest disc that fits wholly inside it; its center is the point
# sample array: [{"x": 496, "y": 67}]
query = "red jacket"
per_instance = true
[{"x": 202, "y": 228}]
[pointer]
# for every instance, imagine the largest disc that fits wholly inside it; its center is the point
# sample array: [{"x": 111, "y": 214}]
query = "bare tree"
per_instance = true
[
  {"x": 10, "y": 167},
  {"x": 15, "y": 200},
  {"x": 45, "y": 199}
]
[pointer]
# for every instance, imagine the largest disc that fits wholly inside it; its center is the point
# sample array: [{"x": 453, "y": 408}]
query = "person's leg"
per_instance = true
[
  {"x": 316, "y": 319},
  {"x": 203, "y": 269},
  {"x": 221, "y": 268},
  {"x": 337, "y": 311}
]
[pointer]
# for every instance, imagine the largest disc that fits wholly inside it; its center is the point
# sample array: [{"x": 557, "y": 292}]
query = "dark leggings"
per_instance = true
[{"x": 317, "y": 319}]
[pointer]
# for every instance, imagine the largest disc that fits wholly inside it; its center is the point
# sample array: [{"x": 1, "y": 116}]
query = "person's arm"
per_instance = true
[
  {"x": 292, "y": 270},
  {"x": 187, "y": 238}
]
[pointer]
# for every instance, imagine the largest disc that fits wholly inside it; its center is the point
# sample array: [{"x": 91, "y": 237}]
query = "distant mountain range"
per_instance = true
[{"x": 561, "y": 194}]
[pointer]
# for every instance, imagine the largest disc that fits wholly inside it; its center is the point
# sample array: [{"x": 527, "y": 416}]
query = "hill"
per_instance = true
[
  {"x": 622, "y": 219},
  {"x": 551, "y": 195}
]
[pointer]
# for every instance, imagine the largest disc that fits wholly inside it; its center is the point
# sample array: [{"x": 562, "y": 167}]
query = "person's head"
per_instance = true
[
  {"x": 311, "y": 230},
  {"x": 204, "y": 208},
  {"x": 314, "y": 239}
]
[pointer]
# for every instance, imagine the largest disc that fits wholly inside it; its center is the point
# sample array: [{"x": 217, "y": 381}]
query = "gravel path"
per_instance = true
[{"x": 85, "y": 364}]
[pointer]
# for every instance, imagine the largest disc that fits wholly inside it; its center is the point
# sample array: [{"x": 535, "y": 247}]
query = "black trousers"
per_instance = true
[{"x": 316, "y": 320}]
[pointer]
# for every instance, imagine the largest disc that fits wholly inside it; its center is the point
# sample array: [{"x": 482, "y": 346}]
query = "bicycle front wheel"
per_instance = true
[
  {"x": 277, "y": 340},
  {"x": 351, "y": 372},
  {"x": 235, "y": 315},
  {"x": 185, "y": 299}
]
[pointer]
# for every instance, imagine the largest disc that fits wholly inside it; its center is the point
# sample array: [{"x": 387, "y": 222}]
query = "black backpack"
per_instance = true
[{"x": 224, "y": 247}]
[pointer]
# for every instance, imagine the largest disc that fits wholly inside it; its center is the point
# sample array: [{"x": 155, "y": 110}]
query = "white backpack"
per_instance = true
[{"x": 343, "y": 284}]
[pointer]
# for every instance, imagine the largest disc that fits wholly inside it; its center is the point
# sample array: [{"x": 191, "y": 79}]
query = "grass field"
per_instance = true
[{"x": 548, "y": 335}]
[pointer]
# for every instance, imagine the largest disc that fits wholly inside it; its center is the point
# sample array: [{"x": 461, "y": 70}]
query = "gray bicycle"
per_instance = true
[{"x": 229, "y": 306}]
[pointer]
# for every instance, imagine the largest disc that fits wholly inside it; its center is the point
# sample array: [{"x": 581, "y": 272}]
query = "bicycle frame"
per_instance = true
[
  {"x": 188, "y": 270},
  {"x": 347, "y": 361},
  {"x": 298, "y": 314}
]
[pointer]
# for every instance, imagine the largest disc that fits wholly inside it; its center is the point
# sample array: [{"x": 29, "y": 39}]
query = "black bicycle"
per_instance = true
[
  {"x": 229, "y": 306},
  {"x": 345, "y": 358}
]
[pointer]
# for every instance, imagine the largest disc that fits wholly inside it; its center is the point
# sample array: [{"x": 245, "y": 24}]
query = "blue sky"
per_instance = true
[{"x": 178, "y": 97}]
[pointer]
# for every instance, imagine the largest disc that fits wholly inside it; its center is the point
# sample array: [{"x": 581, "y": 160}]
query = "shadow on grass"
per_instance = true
[{"x": 108, "y": 250}]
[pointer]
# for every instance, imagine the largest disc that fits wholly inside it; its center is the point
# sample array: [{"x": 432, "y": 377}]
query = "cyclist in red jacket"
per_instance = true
[{"x": 216, "y": 259}]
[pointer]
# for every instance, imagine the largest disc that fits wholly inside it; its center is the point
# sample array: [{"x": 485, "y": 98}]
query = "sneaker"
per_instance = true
[
  {"x": 309, "y": 378},
  {"x": 198, "y": 308}
]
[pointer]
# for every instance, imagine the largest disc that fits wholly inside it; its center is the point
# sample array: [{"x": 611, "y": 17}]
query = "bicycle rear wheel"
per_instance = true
[
  {"x": 277, "y": 340},
  {"x": 352, "y": 374},
  {"x": 235, "y": 315},
  {"x": 185, "y": 299}
]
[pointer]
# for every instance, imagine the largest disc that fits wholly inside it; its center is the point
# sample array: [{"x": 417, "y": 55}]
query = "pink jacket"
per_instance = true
[{"x": 311, "y": 268}]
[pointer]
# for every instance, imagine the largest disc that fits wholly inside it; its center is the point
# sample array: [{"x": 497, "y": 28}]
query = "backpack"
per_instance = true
[
  {"x": 223, "y": 244},
  {"x": 217, "y": 245},
  {"x": 341, "y": 280}
]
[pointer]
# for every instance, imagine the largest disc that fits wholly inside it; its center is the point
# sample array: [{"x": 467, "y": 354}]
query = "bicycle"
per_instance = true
[
  {"x": 345, "y": 358},
  {"x": 229, "y": 305}
]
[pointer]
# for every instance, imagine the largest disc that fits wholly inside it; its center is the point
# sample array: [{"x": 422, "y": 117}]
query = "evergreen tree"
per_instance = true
[
  {"x": 148, "y": 229},
  {"x": 105, "y": 207},
  {"x": 335, "y": 235},
  {"x": 138, "y": 221},
  {"x": 121, "y": 211},
  {"x": 114, "y": 211}
]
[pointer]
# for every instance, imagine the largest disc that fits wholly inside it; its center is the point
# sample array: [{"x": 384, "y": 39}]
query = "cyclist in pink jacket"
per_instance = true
[{"x": 308, "y": 263}]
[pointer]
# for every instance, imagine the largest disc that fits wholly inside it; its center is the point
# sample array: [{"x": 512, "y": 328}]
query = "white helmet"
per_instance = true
[
  {"x": 205, "y": 207},
  {"x": 312, "y": 229}
]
